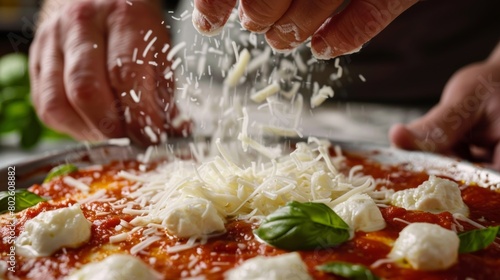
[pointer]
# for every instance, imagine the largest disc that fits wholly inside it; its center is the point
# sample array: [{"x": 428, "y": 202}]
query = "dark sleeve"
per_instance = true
[
  {"x": 412, "y": 59},
  {"x": 170, "y": 5}
]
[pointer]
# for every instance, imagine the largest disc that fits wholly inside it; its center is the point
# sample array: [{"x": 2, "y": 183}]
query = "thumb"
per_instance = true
[
  {"x": 449, "y": 122},
  {"x": 440, "y": 130}
]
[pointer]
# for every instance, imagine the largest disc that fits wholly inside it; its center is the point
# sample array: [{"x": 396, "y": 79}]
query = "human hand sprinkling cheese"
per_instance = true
[
  {"x": 335, "y": 27},
  {"x": 98, "y": 70},
  {"x": 466, "y": 121}
]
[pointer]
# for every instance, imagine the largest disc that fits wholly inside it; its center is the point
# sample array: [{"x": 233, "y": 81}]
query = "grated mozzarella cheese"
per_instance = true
[
  {"x": 77, "y": 184},
  {"x": 191, "y": 199},
  {"x": 237, "y": 72},
  {"x": 261, "y": 95},
  {"x": 320, "y": 96}
]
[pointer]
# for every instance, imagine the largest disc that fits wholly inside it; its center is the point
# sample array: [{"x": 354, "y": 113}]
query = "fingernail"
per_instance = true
[
  {"x": 204, "y": 26},
  {"x": 275, "y": 40},
  {"x": 320, "y": 48},
  {"x": 250, "y": 25}
]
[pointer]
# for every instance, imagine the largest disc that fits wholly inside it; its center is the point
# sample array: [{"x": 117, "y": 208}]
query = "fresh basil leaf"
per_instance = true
[
  {"x": 14, "y": 70},
  {"x": 22, "y": 199},
  {"x": 15, "y": 114},
  {"x": 478, "y": 239},
  {"x": 348, "y": 270},
  {"x": 303, "y": 226},
  {"x": 60, "y": 171}
]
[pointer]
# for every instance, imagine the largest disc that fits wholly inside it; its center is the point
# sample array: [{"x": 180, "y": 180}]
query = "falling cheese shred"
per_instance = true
[
  {"x": 320, "y": 96},
  {"x": 261, "y": 95},
  {"x": 237, "y": 72}
]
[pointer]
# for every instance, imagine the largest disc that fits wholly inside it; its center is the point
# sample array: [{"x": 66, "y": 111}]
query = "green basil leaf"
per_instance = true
[
  {"x": 22, "y": 199},
  {"x": 60, "y": 171},
  {"x": 478, "y": 239},
  {"x": 303, "y": 226},
  {"x": 348, "y": 270},
  {"x": 14, "y": 70},
  {"x": 15, "y": 114}
]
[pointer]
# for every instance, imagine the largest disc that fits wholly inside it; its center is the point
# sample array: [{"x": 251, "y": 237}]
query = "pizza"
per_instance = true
[{"x": 316, "y": 211}]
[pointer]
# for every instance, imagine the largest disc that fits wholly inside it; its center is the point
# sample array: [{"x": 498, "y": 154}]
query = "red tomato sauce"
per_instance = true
[{"x": 238, "y": 243}]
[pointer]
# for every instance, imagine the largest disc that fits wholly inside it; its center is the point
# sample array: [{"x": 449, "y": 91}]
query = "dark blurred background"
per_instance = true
[{"x": 17, "y": 19}]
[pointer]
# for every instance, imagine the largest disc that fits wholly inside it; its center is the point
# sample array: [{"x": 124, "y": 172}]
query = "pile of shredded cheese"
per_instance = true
[{"x": 247, "y": 190}]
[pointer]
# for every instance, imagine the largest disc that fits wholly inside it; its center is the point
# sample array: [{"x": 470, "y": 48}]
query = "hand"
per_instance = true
[
  {"x": 289, "y": 23},
  {"x": 466, "y": 122},
  {"x": 90, "y": 64}
]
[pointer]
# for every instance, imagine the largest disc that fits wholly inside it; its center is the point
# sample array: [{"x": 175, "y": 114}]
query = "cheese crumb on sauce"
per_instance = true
[
  {"x": 426, "y": 246},
  {"x": 115, "y": 267},
  {"x": 361, "y": 213},
  {"x": 53, "y": 230},
  {"x": 282, "y": 267},
  {"x": 435, "y": 195}
]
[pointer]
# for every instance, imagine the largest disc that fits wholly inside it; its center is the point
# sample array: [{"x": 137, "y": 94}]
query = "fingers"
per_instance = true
[
  {"x": 47, "y": 86},
  {"x": 85, "y": 72},
  {"x": 299, "y": 22},
  {"x": 432, "y": 132},
  {"x": 465, "y": 121},
  {"x": 289, "y": 23},
  {"x": 209, "y": 16},
  {"x": 355, "y": 25},
  {"x": 443, "y": 126},
  {"x": 137, "y": 67},
  {"x": 259, "y": 15}
]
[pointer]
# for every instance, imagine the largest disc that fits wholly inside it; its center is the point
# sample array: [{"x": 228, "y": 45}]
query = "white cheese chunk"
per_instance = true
[
  {"x": 287, "y": 266},
  {"x": 361, "y": 213},
  {"x": 115, "y": 267},
  {"x": 435, "y": 195},
  {"x": 194, "y": 217},
  {"x": 426, "y": 247},
  {"x": 53, "y": 230}
]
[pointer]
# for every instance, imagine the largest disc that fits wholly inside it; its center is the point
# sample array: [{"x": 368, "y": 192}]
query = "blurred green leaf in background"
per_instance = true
[{"x": 17, "y": 114}]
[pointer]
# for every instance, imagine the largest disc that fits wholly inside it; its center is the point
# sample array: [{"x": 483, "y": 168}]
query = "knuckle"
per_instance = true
[
  {"x": 48, "y": 109},
  {"x": 215, "y": 6},
  {"x": 369, "y": 20},
  {"x": 132, "y": 75},
  {"x": 83, "y": 88},
  {"x": 81, "y": 11},
  {"x": 258, "y": 11}
]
